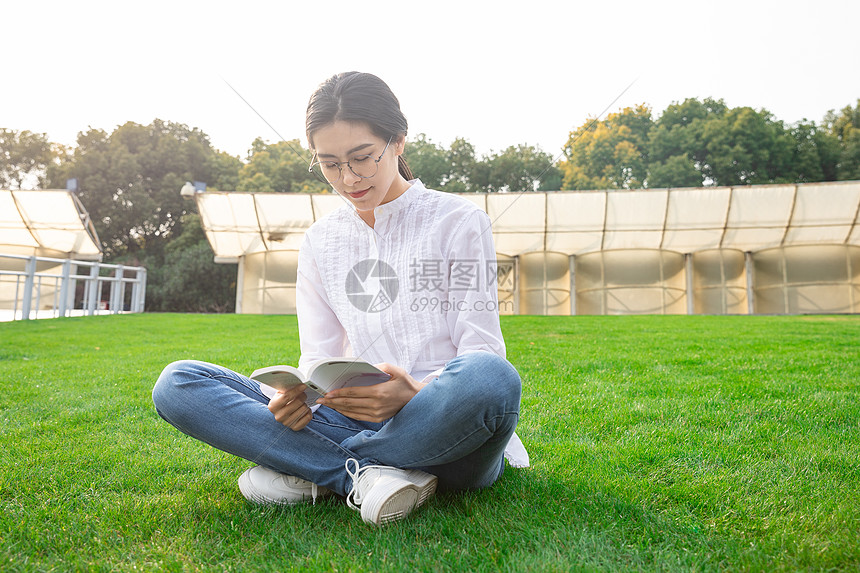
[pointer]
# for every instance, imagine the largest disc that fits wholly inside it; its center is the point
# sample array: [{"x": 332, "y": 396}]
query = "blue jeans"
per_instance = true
[{"x": 456, "y": 427}]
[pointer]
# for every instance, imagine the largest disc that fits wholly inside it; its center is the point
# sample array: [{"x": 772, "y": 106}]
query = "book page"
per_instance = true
[
  {"x": 334, "y": 373},
  {"x": 281, "y": 377}
]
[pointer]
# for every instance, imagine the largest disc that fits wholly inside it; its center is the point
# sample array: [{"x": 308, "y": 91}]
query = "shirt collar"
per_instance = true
[
  {"x": 408, "y": 196},
  {"x": 386, "y": 211}
]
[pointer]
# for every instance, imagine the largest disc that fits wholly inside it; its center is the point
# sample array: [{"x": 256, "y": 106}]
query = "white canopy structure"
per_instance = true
[
  {"x": 48, "y": 249},
  {"x": 46, "y": 223},
  {"x": 713, "y": 249}
]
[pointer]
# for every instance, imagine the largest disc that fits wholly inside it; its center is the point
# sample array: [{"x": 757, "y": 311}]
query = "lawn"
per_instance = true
[{"x": 657, "y": 443}]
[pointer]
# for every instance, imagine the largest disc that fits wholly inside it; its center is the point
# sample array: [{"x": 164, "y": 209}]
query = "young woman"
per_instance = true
[{"x": 401, "y": 277}]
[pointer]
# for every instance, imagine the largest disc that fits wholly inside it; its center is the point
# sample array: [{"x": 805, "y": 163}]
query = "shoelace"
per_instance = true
[
  {"x": 314, "y": 487},
  {"x": 354, "y": 474}
]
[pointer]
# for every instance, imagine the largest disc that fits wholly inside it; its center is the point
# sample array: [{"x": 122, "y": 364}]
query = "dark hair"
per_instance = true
[{"x": 361, "y": 98}]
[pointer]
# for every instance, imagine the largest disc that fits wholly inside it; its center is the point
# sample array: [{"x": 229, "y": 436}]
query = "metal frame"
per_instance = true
[{"x": 64, "y": 287}]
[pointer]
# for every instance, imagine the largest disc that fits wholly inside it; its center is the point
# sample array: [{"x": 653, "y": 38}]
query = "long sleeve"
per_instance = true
[
  {"x": 473, "y": 315},
  {"x": 321, "y": 334}
]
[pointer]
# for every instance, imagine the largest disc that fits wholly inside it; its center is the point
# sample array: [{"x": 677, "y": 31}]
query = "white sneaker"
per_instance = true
[
  {"x": 384, "y": 493},
  {"x": 262, "y": 485}
]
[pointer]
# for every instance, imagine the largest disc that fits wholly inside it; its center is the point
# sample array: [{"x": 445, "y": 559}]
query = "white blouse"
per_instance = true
[{"x": 415, "y": 290}]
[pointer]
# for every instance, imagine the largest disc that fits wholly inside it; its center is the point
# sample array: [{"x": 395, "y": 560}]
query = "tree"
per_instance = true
[
  {"x": 747, "y": 147},
  {"x": 609, "y": 154},
  {"x": 129, "y": 180},
  {"x": 224, "y": 170},
  {"x": 708, "y": 143},
  {"x": 676, "y": 149},
  {"x": 518, "y": 169},
  {"x": 462, "y": 163},
  {"x": 278, "y": 167},
  {"x": 845, "y": 127},
  {"x": 428, "y": 161},
  {"x": 189, "y": 280},
  {"x": 456, "y": 170},
  {"x": 24, "y": 157},
  {"x": 816, "y": 153},
  {"x": 551, "y": 178},
  {"x": 675, "y": 171}
]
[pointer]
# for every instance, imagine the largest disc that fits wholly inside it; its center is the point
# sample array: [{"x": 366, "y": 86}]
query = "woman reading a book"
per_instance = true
[{"x": 401, "y": 277}]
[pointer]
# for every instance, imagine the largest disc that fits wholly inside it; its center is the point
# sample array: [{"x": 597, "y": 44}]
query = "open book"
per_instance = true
[{"x": 322, "y": 376}]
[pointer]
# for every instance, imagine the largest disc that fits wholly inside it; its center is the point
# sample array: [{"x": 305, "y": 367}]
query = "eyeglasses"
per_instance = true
[{"x": 362, "y": 166}]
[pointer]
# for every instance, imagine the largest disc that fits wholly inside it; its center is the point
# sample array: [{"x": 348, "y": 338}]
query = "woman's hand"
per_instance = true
[
  {"x": 290, "y": 409},
  {"x": 374, "y": 403}
]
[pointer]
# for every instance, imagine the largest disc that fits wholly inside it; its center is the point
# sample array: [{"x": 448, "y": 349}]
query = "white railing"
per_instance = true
[{"x": 61, "y": 289}]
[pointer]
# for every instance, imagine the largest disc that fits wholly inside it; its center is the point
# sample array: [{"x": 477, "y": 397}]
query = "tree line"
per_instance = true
[
  {"x": 700, "y": 143},
  {"x": 129, "y": 179}
]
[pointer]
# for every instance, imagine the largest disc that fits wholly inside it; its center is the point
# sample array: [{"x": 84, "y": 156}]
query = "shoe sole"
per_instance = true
[
  {"x": 393, "y": 499},
  {"x": 424, "y": 482}
]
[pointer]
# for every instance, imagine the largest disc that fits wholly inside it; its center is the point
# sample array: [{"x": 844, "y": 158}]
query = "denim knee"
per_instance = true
[
  {"x": 489, "y": 373},
  {"x": 165, "y": 391}
]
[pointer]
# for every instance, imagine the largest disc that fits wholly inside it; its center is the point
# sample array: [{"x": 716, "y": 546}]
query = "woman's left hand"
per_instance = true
[{"x": 374, "y": 403}]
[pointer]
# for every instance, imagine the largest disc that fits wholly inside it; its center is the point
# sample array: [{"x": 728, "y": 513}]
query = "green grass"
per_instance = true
[{"x": 657, "y": 443}]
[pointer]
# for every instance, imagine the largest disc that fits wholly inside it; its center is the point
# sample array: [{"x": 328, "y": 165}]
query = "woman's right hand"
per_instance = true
[{"x": 290, "y": 409}]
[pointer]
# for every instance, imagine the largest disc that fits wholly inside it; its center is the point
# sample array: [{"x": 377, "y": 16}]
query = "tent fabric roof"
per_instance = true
[
  {"x": 52, "y": 219},
  {"x": 748, "y": 218}
]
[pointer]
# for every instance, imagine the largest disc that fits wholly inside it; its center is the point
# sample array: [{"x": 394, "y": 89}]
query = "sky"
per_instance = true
[{"x": 496, "y": 73}]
